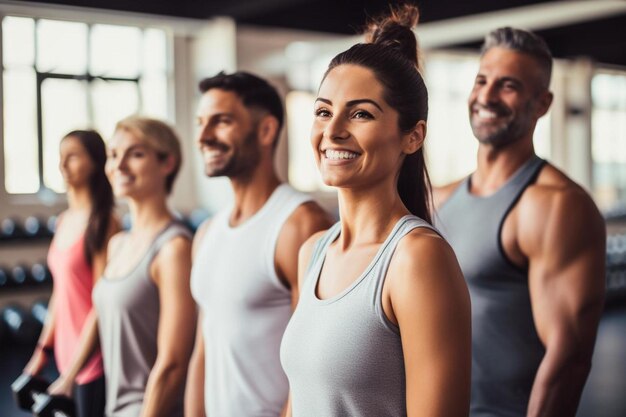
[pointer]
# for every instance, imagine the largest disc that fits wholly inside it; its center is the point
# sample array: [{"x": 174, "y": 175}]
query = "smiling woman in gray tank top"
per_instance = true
[
  {"x": 382, "y": 327},
  {"x": 146, "y": 316}
]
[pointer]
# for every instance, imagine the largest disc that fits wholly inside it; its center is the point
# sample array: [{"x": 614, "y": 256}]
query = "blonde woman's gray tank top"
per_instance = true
[
  {"x": 128, "y": 320},
  {"x": 342, "y": 355}
]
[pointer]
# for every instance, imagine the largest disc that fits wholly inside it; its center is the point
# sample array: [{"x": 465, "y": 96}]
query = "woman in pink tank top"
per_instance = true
[{"x": 76, "y": 259}]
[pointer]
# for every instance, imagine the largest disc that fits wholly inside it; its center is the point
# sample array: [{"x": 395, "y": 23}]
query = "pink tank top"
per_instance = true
[{"x": 73, "y": 283}]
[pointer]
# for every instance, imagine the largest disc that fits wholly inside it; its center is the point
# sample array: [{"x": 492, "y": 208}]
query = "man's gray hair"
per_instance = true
[{"x": 522, "y": 41}]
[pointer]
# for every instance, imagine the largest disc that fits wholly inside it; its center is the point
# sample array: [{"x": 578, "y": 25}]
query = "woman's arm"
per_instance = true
[
  {"x": 44, "y": 344},
  {"x": 87, "y": 344},
  {"x": 428, "y": 299},
  {"x": 46, "y": 338},
  {"x": 194, "y": 391},
  {"x": 177, "y": 323}
]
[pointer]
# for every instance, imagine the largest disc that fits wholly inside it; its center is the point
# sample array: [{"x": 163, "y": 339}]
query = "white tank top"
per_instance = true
[{"x": 246, "y": 309}]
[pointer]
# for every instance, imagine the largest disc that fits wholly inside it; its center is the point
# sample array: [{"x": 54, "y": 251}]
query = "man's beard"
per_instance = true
[
  {"x": 505, "y": 134},
  {"x": 242, "y": 161}
]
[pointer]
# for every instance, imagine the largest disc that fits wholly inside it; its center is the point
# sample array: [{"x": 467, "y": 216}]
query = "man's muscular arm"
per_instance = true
[
  {"x": 563, "y": 235},
  {"x": 306, "y": 220}
]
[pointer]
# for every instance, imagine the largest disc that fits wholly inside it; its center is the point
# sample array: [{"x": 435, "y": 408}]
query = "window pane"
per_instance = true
[
  {"x": 61, "y": 47},
  {"x": 608, "y": 127},
  {"x": 303, "y": 172},
  {"x": 57, "y": 97},
  {"x": 112, "y": 101},
  {"x": 18, "y": 46},
  {"x": 115, "y": 51},
  {"x": 154, "y": 51},
  {"x": 450, "y": 148},
  {"x": 20, "y": 132},
  {"x": 154, "y": 96}
]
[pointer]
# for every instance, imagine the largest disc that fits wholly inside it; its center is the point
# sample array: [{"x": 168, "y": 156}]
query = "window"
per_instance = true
[
  {"x": 61, "y": 75},
  {"x": 608, "y": 129},
  {"x": 303, "y": 174},
  {"x": 450, "y": 146}
]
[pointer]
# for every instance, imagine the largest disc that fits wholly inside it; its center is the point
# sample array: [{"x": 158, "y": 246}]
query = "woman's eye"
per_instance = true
[
  {"x": 362, "y": 114},
  {"x": 322, "y": 113}
]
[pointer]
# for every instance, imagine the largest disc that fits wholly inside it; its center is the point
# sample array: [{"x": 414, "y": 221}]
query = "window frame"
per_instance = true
[
  {"x": 174, "y": 28},
  {"x": 611, "y": 70}
]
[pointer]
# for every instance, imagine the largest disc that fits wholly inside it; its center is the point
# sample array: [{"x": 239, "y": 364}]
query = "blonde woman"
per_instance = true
[{"x": 146, "y": 316}]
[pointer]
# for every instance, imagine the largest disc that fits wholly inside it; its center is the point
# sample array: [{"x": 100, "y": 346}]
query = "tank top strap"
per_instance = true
[
  {"x": 169, "y": 232},
  {"x": 319, "y": 252},
  {"x": 527, "y": 174},
  {"x": 379, "y": 271}
]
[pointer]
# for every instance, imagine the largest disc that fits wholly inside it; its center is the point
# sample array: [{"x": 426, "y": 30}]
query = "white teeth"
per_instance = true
[
  {"x": 486, "y": 114},
  {"x": 330, "y": 154},
  {"x": 123, "y": 179},
  {"x": 212, "y": 153}
]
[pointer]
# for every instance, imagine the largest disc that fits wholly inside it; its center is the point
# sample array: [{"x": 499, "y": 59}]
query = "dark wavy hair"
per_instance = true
[
  {"x": 391, "y": 53},
  {"x": 100, "y": 192}
]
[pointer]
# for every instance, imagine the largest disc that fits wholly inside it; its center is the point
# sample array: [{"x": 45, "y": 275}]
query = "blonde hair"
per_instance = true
[{"x": 157, "y": 135}]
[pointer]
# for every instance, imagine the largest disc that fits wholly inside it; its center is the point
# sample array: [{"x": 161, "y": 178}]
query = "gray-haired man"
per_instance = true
[{"x": 530, "y": 243}]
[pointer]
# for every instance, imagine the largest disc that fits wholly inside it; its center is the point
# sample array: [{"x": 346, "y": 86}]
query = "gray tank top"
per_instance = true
[
  {"x": 342, "y": 355},
  {"x": 128, "y": 320},
  {"x": 506, "y": 350}
]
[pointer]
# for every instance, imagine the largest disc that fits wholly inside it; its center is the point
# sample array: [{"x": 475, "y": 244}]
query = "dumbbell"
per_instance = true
[
  {"x": 30, "y": 394},
  {"x": 39, "y": 311},
  {"x": 34, "y": 227},
  {"x": 20, "y": 325},
  {"x": 25, "y": 388},
  {"x": 11, "y": 229},
  {"x": 20, "y": 274},
  {"x": 47, "y": 405},
  {"x": 40, "y": 273}
]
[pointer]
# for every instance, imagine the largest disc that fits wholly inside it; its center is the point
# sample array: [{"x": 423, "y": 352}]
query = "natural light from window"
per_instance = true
[{"x": 88, "y": 76}]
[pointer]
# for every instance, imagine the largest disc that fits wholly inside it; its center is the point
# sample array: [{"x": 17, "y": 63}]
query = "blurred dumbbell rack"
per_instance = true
[{"x": 24, "y": 276}]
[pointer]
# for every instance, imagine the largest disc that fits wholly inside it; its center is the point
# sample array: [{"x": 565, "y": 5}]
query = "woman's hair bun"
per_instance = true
[{"x": 395, "y": 30}]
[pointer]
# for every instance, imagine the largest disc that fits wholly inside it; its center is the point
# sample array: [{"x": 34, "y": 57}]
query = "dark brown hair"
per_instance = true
[
  {"x": 254, "y": 92},
  {"x": 391, "y": 53},
  {"x": 100, "y": 192}
]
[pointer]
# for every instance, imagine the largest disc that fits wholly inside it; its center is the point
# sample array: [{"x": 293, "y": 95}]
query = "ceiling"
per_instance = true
[{"x": 601, "y": 38}]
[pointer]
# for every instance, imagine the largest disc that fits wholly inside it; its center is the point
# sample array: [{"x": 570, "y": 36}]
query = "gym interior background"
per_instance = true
[{"x": 72, "y": 64}]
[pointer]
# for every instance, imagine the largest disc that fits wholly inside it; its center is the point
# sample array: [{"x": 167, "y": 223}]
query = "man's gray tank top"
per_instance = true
[
  {"x": 128, "y": 321},
  {"x": 342, "y": 355},
  {"x": 506, "y": 350}
]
